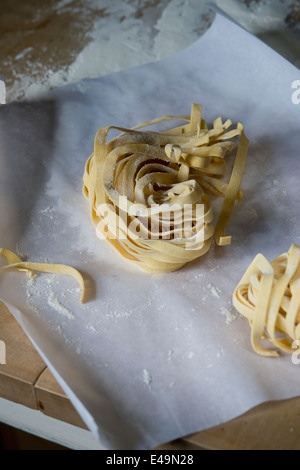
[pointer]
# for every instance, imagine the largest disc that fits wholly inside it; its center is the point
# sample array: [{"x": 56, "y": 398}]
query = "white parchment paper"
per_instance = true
[{"x": 151, "y": 358}]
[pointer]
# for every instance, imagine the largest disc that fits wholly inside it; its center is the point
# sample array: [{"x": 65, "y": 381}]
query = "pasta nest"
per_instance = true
[
  {"x": 149, "y": 191},
  {"x": 269, "y": 296}
]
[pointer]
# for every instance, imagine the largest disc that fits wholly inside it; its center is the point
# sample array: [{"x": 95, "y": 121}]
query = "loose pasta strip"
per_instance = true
[
  {"x": 159, "y": 171},
  {"x": 15, "y": 262},
  {"x": 269, "y": 296}
]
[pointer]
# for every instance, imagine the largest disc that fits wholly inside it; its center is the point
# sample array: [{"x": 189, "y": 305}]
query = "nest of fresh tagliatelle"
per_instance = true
[
  {"x": 150, "y": 192},
  {"x": 268, "y": 295}
]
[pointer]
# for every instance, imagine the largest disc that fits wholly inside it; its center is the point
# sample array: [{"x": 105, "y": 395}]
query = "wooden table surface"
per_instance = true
[
  {"x": 45, "y": 44},
  {"x": 25, "y": 379}
]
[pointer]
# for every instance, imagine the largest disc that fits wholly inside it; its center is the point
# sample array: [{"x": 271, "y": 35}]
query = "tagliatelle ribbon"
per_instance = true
[
  {"x": 140, "y": 183},
  {"x": 269, "y": 296},
  {"x": 15, "y": 262}
]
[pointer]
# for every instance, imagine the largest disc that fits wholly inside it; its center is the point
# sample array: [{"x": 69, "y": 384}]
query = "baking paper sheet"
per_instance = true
[
  {"x": 151, "y": 358},
  {"x": 2, "y": 92}
]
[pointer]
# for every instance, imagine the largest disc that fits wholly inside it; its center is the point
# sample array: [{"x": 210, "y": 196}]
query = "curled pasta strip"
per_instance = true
[
  {"x": 269, "y": 296},
  {"x": 15, "y": 262},
  {"x": 149, "y": 192}
]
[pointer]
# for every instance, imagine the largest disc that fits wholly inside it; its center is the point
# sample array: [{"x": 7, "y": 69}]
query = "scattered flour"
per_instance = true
[
  {"x": 59, "y": 329},
  {"x": 82, "y": 87},
  {"x": 51, "y": 278},
  {"x": 31, "y": 286},
  {"x": 147, "y": 379},
  {"x": 48, "y": 211},
  {"x": 116, "y": 314},
  {"x": 230, "y": 316},
  {"x": 170, "y": 354},
  {"x": 220, "y": 353},
  {"x": 144, "y": 31},
  {"x": 214, "y": 268},
  {"x": 198, "y": 276},
  {"x": 23, "y": 53},
  {"x": 191, "y": 355},
  {"x": 62, "y": 334},
  {"x": 56, "y": 304},
  {"x": 214, "y": 290},
  {"x": 91, "y": 327}
]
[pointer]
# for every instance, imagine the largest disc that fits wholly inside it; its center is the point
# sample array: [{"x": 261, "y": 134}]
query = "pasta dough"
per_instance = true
[
  {"x": 15, "y": 262},
  {"x": 269, "y": 296},
  {"x": 139, "y": 184}
]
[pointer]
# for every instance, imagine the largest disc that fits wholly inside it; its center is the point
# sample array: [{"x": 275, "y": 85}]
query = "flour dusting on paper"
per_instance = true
[
  {"x": 215, "y": 291},
  {"x": 59, "y": 307},
  {"x": 91, "y": 327},
  {"x": 191, "y": 354},
  {"x": 48, "y": 211},
  {"x": 229, "y": 316},
  {"x": 147, "y": 378},
  {"x": 116, "y": 314}
]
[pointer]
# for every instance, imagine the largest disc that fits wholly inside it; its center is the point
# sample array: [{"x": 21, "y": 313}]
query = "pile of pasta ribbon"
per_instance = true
[
  {"x": 13, "y": 261},
  {"x": 140, "y": 183},
  {"x": 269, "y": 296}
]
